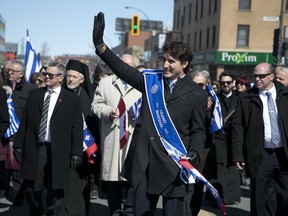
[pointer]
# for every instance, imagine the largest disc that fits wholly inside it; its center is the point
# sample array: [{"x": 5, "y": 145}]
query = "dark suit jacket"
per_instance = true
[
  {"x": 66, "y": 127},
  {"x": 248, "y": 128},
  {"x": 187, "y": 109},
  {"x": 20, "y": 95},
  {"x": 223, "y": 140}
]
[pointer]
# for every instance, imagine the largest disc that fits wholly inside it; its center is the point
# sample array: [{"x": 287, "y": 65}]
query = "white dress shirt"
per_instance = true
[
  {"x": 53, "y": 100},
  {"x": 267, "y": 126}
]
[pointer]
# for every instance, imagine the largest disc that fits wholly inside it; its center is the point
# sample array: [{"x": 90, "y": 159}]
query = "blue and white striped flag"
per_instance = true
[
  {"x": 14, "y": 122},
  {"x": 135, "y": 109},
  {"x": 216, "y": 122},
  {"x": 31, "y": 60}
]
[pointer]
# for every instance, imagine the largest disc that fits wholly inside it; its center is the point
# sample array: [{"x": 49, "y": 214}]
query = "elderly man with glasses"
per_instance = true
[
  {"x": 259, "y": 138},
  {"x": 20, "y": 90}
]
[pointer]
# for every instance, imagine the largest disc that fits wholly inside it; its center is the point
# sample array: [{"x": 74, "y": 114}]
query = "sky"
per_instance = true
[{"x": 65, "y": 26}]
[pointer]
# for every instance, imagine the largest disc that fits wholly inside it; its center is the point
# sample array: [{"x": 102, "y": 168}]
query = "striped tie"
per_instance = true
[{"x": 43, "y": 124}]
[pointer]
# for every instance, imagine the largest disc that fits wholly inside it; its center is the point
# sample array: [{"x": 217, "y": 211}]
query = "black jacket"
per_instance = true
[
  {"x": 66, "y": 128},
  {"x": 248, "y": 127},
  {"x": 187, "y": 108}
]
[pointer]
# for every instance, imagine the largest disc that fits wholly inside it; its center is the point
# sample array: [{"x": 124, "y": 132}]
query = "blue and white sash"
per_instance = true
[{"x": 168, "y": 133}]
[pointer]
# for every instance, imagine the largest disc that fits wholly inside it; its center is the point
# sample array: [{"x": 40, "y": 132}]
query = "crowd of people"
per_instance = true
[{"x": 145, "y": 123}]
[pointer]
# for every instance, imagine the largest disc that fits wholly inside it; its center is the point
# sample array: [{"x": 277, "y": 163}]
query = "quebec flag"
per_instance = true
[
  {"x": 14, "y": 122},
  {"x": 31, "y": 60},
  {"x": 89, "y": 143},
  {"x": 216, "y": 122}
]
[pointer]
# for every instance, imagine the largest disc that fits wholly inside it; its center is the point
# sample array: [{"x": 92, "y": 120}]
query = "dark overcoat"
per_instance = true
[
  {"x": 20, "y": 95},
  {"x": 4, "y": 123},
  {"x": 66, "y": 128},
  {"x": 223, "y": 140},
  {"x": 187, "y": 109},
  {"x": 248, "y": 128},
  {"x": 4, "y": 115}
]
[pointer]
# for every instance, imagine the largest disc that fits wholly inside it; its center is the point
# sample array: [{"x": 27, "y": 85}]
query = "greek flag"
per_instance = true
[
  {"x": 89, "y": 143},
  {"x": 14, "y": 122},
  {"x": 216, "y": 122},
  {"x": 135, "y": 109},
  {"x": 31, "y": 60}
]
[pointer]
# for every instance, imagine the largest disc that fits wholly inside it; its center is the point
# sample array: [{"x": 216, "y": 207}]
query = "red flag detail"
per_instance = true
[{"x": 123, "y": 123}]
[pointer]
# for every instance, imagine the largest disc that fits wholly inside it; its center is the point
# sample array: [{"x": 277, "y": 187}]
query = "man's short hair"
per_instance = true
[
  {"x": 225, "y": 73},
  {"x": 180, "y": 51},
  {"x": 61, "y": 68}
]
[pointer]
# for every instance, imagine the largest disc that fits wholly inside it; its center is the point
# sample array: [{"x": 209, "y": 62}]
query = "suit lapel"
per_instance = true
[
  {"x": 41, "y": 98},
  {"x": 182, "y": 87},
  {"x": 60, "y": 100}
]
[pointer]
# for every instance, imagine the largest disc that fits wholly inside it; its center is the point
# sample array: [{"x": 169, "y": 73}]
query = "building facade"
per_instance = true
[{"x": 230, "y": 35}]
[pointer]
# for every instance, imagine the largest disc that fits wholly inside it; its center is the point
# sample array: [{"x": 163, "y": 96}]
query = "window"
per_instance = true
[
  {"x": 196, "y": 10},
  {"x": 200, "y": 39},
  {"x": 207, "y": 38},
  {"x": 209, "y": 10},
  {"x": 214, "y": 36},
  {"x": 243, "y": 35},
  {"x": 285, "y": 32},
  {"x": 215, "y": 6},
  {"x": 195, "y": 41},
  {"x": 189, "y": 38},
  {"x": 201, "y": 14},
  {"x": 183, "y": 16},
  {"x": 245, "y": 4},
  {"x": 178, "y": 18},
  {"x": 286, "y": 7},
  {"x": 190, "y": 13}
]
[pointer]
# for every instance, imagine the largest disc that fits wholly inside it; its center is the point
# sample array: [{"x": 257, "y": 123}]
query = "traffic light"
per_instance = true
[
  {"x": 275, "y": 42},
  {"x": 135, "y": 25}
]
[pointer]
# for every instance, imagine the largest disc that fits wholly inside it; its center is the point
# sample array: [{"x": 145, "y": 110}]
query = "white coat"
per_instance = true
[{"x": 106, "y": 98}]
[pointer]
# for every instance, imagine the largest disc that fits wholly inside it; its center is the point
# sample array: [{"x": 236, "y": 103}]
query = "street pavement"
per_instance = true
[{"x": 99, "y": 207}]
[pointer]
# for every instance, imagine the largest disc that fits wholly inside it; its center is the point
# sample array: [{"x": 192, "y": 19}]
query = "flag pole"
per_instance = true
[{"x": 27, "y": 33}]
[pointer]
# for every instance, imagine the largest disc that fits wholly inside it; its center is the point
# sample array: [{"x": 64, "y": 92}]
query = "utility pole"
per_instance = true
[{"x": 279, "y": 54}]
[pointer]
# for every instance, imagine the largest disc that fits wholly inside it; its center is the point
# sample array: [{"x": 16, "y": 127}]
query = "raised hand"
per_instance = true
[{"x": 98, "y": 29}]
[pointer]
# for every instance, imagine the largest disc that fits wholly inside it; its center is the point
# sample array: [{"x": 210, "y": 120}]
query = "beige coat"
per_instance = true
[{"x": 106, "y": 98}]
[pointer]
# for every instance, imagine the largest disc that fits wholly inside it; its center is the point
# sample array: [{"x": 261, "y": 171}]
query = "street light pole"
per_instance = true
[{"x": 149, "y": 30}]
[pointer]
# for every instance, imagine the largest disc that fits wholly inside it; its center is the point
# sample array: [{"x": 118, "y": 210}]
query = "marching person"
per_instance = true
[
  {"x": 148, "y": 167},
  {"x": 259, "y": 138},
  {"x": 50, "y": 141},
  {"x": 110, "y": 91}
]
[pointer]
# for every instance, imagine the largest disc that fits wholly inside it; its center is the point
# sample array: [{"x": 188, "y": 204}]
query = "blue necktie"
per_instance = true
[
  {"x": 275, "y": 133},
  {"x": 172, "y": 85}
]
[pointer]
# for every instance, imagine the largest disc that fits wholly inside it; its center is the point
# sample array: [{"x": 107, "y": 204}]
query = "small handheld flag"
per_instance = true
[
  {"x": 123, "y": 123},
  {"x": 89, "y": 143},
  {"x": 135, "y": 109},
  {"x": 14, "y": 122},
  {"x": 216, "y": 118}
]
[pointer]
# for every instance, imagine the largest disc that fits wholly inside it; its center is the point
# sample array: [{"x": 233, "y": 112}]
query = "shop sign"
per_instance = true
[{"x": 242, "y": 58}]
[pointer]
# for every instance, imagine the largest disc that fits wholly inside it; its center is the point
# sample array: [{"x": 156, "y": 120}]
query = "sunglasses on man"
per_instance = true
[{"x": 50, "y": 75}]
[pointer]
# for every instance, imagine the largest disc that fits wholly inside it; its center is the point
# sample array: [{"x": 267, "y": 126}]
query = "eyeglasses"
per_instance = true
[
  {"x": 261, "y": 76},
  {"x": 50, "y": 75},
  {"x": 227, "y": 82},
  {"x": 13, "y": 70},
  {"x": 201, "y": 84}
]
